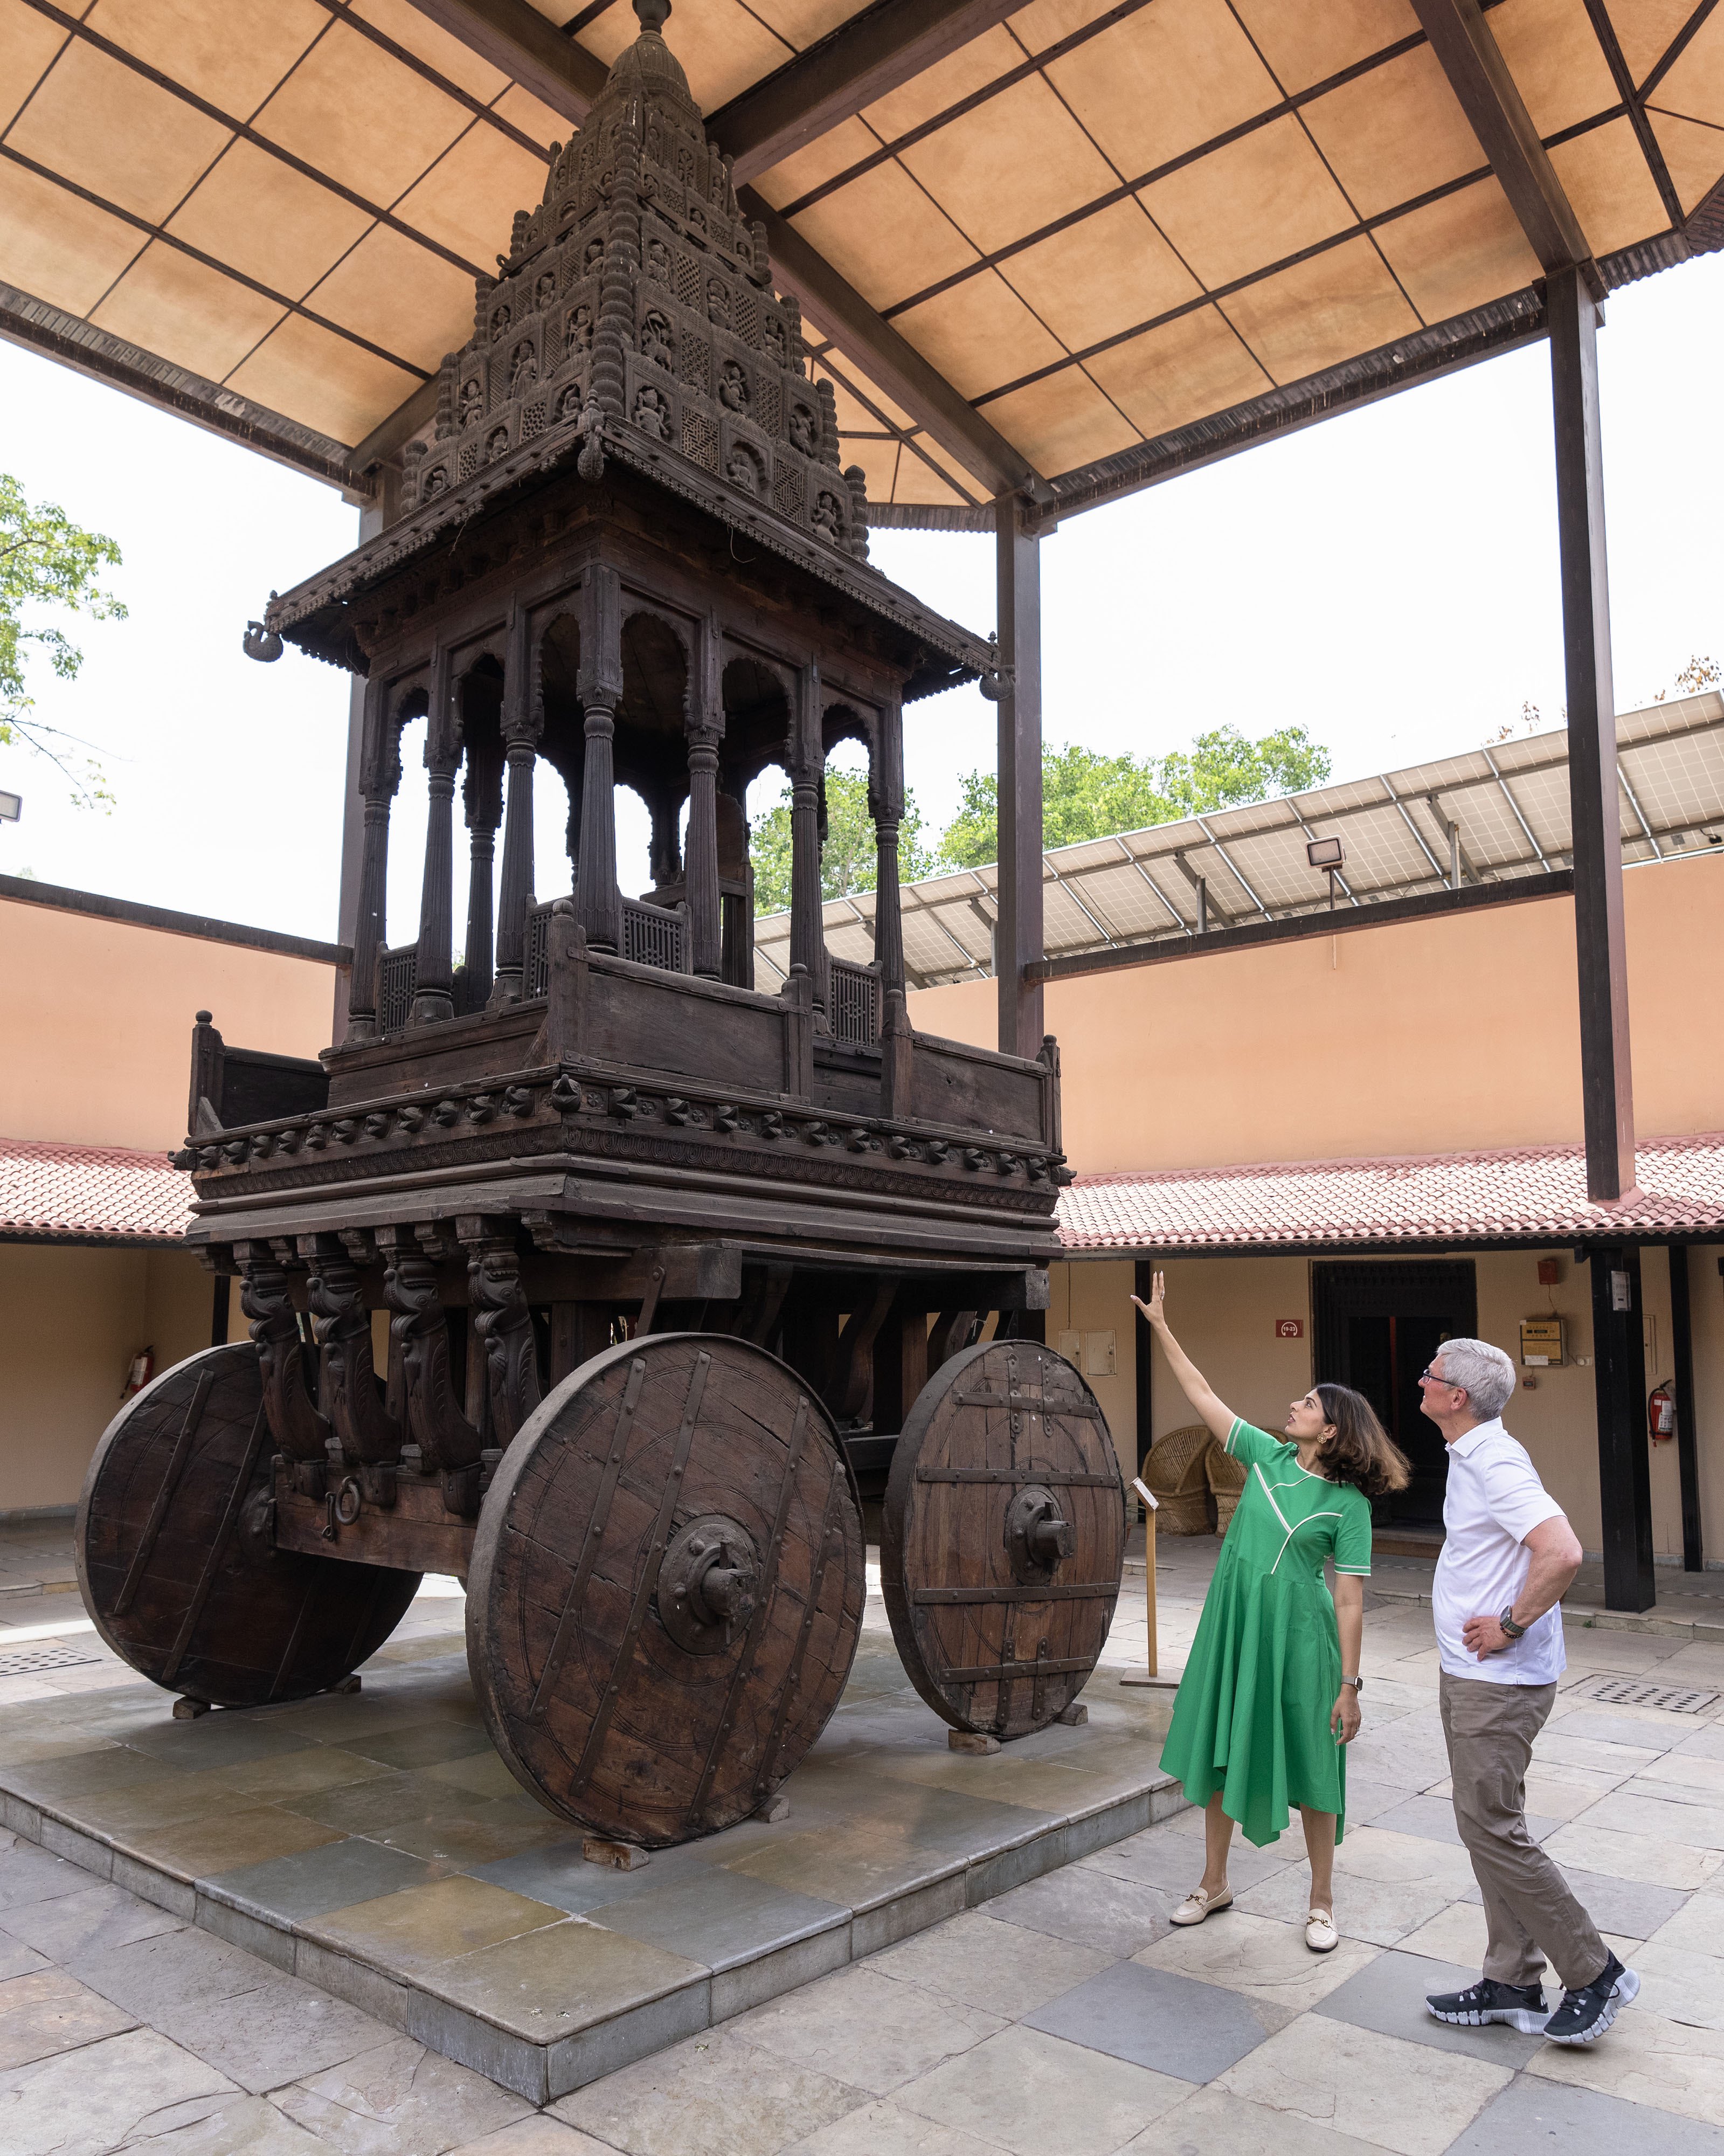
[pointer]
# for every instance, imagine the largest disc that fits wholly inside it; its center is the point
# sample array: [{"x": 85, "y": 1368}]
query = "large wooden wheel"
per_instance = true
[
  {"x": 175, "y": 1552},
  {"x": 666, "y": 1589},
  {"x": 1005, "y": 1533}
]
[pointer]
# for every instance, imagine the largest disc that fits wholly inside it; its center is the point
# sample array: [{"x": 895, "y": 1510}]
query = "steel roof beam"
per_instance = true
[
  {"x": 864, "y": 59},
  {"x": 513, "y": 36},
  {"x": 1478, "y": 75}
]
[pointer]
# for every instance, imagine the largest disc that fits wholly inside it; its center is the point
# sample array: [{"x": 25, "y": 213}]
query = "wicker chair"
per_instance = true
[
  {"x": 1175, "y": 1472},
  {"x": 1227, "y": 1481}
]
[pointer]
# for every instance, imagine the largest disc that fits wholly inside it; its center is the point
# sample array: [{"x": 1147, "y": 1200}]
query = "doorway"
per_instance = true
[{"x": 1376, "y": 1328}]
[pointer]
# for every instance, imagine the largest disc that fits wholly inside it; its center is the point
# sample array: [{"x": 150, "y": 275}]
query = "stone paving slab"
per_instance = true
[
  {"x": 1061, "y": 2017},
  {"x": 374, "y": 1844}
]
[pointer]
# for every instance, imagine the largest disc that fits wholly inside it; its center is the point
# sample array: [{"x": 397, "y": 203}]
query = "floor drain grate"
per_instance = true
[
  {"x": 1626, "y": 1691},
  {"x": 47, "y": 1654}
]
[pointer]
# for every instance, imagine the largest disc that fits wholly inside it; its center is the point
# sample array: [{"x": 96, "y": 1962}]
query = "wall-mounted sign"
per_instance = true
[{"x": 1290, "y": 1328}]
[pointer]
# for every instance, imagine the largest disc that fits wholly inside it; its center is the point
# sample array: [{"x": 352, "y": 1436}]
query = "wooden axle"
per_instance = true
[{"x": 416, "y": 1533}]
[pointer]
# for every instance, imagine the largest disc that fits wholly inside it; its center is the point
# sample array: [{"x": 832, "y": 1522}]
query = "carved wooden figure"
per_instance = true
[{"x": 666, "y": 1259}]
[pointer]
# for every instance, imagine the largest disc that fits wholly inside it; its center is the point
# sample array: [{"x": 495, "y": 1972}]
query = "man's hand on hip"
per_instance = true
[{"x": 1484, "y": 1636}]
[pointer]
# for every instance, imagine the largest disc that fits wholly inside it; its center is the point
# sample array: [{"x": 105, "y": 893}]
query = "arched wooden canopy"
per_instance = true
[{"x": 1062, "y": 249}]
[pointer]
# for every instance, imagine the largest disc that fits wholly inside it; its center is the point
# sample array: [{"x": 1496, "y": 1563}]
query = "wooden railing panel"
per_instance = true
[{"x": 952, "y": 1083}]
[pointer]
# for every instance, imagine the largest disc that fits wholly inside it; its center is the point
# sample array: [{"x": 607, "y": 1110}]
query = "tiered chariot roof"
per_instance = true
[{"x": 634, "y": 316}]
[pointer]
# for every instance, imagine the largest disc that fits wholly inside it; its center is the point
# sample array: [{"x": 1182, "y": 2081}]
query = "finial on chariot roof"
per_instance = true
[{"x": 652, "y": 15}]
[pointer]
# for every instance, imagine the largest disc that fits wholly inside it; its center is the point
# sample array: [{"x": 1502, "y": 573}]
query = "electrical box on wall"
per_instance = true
[
  {"x": 1544, "y": 1342},
  {"x": 1096, "y": 1354}
]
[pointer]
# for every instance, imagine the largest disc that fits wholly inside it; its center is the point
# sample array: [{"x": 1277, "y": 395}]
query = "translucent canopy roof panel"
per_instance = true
[{"x": 1494, "y": 815}]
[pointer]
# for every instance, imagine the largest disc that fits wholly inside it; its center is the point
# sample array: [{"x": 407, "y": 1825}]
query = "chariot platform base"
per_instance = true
[{"x": 375, "y": 1845}]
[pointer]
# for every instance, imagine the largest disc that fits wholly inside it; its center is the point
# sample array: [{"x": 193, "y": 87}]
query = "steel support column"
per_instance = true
[
  {"x": 1607, "y": 1086},
  {"x": 1018, "y": 934},
  {"x": 1687, "y": 1426},
  {"x": 1620, "y": 1385}
]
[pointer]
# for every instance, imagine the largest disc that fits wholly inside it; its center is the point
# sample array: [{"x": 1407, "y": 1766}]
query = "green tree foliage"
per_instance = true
[
  {"x": 1085, "y": 795},
  {"x": 48, "y": 561},
  {"x": 847, "y": 860}
]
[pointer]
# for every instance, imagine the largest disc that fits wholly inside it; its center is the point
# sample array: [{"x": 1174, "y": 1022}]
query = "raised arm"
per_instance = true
[{"x": 1196, "y": 1387}]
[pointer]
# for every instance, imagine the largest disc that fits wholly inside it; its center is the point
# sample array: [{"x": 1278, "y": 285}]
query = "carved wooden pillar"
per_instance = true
[
  {"x": 597, "y": 901},
  {"x": 807, "y": 936},
  {"x": 886, "y": 806},
  {"x": 705, "y": 732},
  {"x": 434, "y": 976},
  {"x": 521, "y": 721},
  {"x": 664, "y": 843},
  {"x": 381, "y": 775},
  {"x": 482, "y": 798}
]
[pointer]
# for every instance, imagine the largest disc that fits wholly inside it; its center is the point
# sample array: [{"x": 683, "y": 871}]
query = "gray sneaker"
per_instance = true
[
  {"x": 1522, "y": 2007},
  {"x": 1585, "y": 2014}
]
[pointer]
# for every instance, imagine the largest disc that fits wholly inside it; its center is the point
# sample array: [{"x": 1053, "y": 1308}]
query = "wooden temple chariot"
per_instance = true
[{"x": 586, "y": 1269}]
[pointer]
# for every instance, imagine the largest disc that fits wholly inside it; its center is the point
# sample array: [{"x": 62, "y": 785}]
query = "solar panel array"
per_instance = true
[{"x": 1498, "y": 812}]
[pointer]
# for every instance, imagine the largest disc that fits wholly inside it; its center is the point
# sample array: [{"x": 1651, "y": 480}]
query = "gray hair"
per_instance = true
[{"x": 1486, "y": 1373}]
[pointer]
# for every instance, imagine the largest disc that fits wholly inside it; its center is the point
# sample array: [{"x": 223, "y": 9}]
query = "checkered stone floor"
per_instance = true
[{"x": 1063, "y": 2018}]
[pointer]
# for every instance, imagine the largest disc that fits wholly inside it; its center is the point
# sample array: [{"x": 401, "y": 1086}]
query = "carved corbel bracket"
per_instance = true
[
  {"x": 448, "y": 1442},
  {"x": 300, "y": 1432},
  {"x": 505, "y": 1327},
  {"x": 369, "y": 1435}
]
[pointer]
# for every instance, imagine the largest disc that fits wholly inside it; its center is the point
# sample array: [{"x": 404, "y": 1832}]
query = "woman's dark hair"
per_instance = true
[{"x": 1362, "y": 1451}]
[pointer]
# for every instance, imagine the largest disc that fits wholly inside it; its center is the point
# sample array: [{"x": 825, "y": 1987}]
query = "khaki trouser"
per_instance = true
[{"x": 1529, "y": 1911}]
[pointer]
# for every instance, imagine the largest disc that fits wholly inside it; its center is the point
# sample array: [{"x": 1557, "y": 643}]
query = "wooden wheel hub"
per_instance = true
[
  {"x": 1004, "y": 1536},
  {"x": 1038, "y": 1537},
  {"x": 667, "y": 1585},
  {"x": 708, "y": 1584}
]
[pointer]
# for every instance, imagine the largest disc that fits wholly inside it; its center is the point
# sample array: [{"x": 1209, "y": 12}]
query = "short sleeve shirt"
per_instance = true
[
  {"x": 1494, "y": 1502},
  {"x": 1328, "y": 1519}
]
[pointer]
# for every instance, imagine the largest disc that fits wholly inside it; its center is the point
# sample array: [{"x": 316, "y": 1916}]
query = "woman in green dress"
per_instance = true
[{"x": 1270, "y": 1695}]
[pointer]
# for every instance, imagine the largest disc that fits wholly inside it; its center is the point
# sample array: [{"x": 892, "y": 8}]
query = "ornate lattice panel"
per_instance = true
[
  {"x": 694, "y": 362},
  {"x": 398, "y": 974},
  {"x": 788, "y": 496},
  {"x": 855, "y": 1004},
  {"x": 652, "y": 935}
]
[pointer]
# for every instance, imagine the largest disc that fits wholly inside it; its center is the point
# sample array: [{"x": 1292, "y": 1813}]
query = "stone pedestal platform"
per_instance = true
[{"x": 375, "y": 1845}]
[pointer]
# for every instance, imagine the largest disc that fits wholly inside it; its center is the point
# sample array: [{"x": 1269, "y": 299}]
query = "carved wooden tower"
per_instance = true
[{"x": 654, "y": 1253}]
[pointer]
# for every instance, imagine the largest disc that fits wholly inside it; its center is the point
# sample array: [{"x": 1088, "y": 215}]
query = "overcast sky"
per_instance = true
[{"x": 1387, "y": 580}]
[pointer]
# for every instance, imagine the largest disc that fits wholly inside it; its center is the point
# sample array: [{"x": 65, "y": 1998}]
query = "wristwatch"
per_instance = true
[
  {"x": 1357, "y": 1683},
  {"x": 1507, "y": 1622}
]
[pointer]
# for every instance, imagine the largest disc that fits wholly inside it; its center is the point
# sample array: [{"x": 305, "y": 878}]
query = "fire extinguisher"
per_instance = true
[{"x": 1661, "y": 1413}]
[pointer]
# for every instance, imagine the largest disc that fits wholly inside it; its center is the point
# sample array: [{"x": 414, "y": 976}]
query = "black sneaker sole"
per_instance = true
[
  {"x": 1626, "y": 1991},
  {"x": 1528, "y": 2021}
]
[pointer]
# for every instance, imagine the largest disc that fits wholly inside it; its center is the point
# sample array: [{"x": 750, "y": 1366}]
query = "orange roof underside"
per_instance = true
[{"x": 1099, "y": 222}]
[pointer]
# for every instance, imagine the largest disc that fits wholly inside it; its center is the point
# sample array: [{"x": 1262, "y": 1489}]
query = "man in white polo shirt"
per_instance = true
[{"x": 1508, "y": 1557}]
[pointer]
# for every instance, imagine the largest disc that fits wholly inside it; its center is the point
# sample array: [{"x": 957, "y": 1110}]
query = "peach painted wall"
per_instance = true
[
  {"x": 1355, "y": 1045},
  {"x": 1097, "y": 1297},
  {"x": 1224, "y": 1310},
  {"x": 74, "y": 1317},
  {"x": 99, "y": 1021}
]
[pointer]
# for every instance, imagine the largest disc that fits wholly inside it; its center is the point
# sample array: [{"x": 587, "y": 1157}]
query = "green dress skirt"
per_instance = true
[{"x": 1251, "y": 1718}]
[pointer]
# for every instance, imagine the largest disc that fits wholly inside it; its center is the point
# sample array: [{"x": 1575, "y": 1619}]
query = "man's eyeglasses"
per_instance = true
[{"x": 1430, "y": 1375}]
